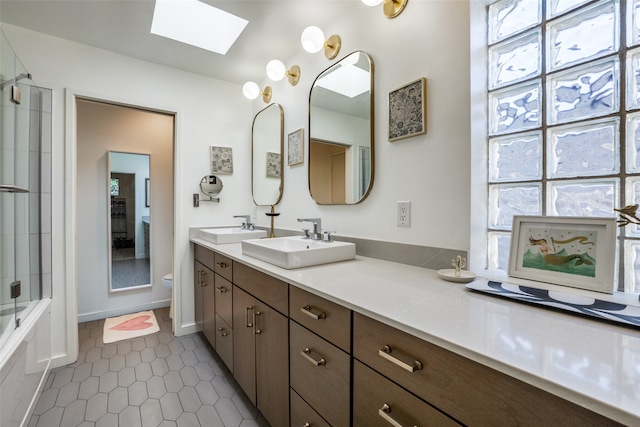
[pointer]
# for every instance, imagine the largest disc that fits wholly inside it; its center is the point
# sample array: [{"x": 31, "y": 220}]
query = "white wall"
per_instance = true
[
  {"x": 209, "y": 112},
  {"x": 430, "y": 39}
]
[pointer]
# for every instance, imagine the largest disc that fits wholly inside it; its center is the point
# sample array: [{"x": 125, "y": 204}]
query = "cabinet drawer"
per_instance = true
[
  {"x": 204, "y": 255},
  {"x": 224, "y": 300},
  {"x": 303, "y": 415},
  {"x": 470, "y": 392},
  {"x": 223, "y": 266},
  {"x": 224, "y": 342},
  {"x": 327, "y": 319},
  {"x": 270, "y": 290},
  {"x": 379, "y": 402},
  {"x": 320, "y": 374}
]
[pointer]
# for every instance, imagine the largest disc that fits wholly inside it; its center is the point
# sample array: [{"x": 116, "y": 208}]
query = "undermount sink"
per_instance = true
[
  {"x": 295, "y": 252},
  {"x": 229, "y": 235}
]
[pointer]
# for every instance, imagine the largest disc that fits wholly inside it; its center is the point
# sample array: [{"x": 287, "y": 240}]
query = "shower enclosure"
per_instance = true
[{"x": 22, "y": 282}]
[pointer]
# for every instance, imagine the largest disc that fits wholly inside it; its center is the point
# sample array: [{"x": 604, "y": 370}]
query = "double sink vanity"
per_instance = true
[{"x": 367, "y": 342}]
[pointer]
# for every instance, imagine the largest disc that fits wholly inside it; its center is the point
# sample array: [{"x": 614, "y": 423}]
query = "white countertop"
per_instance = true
[{"x": 589, "y": 362}]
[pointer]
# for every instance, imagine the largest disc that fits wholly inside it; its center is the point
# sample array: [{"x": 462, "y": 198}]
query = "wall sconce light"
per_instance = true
[
  {"x": 392, "y": 8},
  {"x": 251, "y": 90},
  {"x": 276, "y": 72},
  {"x": 313, "y": 41}
]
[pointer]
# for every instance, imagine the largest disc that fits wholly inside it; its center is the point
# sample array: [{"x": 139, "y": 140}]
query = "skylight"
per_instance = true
[
  {"x": 349, "y": 81},
  {"x": 196, "y": 23}
]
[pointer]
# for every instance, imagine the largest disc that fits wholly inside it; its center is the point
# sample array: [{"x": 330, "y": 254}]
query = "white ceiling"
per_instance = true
[{"x": 123, "y": 26}]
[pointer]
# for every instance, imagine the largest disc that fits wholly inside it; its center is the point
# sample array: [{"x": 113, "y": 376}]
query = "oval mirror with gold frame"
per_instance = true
[
  {"x": 266, "y": 155},
  {"x": 341, "y": 155}
]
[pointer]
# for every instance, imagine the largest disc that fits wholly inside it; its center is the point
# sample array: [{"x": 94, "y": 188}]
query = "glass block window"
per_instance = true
[{"x": 563, "y": 117}]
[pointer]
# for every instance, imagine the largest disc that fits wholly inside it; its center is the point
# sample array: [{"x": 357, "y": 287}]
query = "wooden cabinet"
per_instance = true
[
  {"x": 204, "y": 296},
  {"x": 467, "y": 391},
  {"x": 320, "y": 360},
  {"x": 321, "y": 375},
  {"x": 261, "y": 342},
  {"x": 378, "y": 402},
  {"x": 304, "y": 415}
]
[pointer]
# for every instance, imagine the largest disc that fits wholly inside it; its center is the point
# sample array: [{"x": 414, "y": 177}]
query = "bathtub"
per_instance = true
[{"x": 25, "y": 359}]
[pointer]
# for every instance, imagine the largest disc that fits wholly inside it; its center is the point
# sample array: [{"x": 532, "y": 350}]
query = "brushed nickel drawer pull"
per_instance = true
[
  {"x": 221, "y": 289},
  {"x": 384, "y": 413},
  {"x": 247, "y": 323},
  {"x": 203, "y": 278},
  {"x": 306, "y": 353},
  {"x": 307, "y": 310},
  {"x": 222, "y": 332},
  {"x": 306, "y": 425},
  {"x": 385, "y": 352},
  {"x": 221, "y": 264},
  {"x": 255, "y": 321}
]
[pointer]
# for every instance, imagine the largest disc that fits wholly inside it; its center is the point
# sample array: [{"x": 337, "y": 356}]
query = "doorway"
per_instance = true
[{"x": 122, "y": 205}]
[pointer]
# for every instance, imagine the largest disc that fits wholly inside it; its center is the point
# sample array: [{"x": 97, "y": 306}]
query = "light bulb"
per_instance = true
[
  {"x": 371, "y": 2},
  {"x": 312, "y": 39},
  {"x": 276, "y": 70},
  {"x": 251, "y": 90}
]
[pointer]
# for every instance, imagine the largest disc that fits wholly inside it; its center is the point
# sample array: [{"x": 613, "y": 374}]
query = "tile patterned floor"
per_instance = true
[{"x": 155, "y": 380}]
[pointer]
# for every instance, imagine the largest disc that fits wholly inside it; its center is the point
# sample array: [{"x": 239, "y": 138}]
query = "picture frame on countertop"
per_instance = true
[{"x": 578, "y": 252}]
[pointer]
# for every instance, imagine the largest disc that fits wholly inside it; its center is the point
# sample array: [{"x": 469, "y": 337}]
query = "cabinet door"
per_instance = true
[
  {"x": 198, "y": 292},
  {"x": 208, "y": 306},
  {"x": 244, "y": 342},
  {"x": 321, "y": 375},
  {"x": 272, "y": 364},
  {"x": 224, "y": 296},
  {"x": 378, "y": 402},
  {"x": 224, "y": 342}
]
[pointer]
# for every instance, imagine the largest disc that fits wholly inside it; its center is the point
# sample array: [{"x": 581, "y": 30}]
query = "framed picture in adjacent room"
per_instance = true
[
  {"x": 295, "y": 147},
  {"x": 572, "y": 251},
  {"x": 407, "y": 110},
  {"x": 273, "y": 165}
]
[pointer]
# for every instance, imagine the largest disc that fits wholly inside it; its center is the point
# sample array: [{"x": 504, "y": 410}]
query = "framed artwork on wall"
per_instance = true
[
  {"x": 221, "y": 160},
  {"x": 295, "y": 150},
  {"x": 407, "y": 110},
  {"x": 578, "y": 252}
]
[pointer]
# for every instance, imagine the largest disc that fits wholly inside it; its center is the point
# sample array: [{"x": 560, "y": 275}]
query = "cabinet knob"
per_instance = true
[
  {"x": 221, "y": 264},
  {"x": 221, "y": 289}
]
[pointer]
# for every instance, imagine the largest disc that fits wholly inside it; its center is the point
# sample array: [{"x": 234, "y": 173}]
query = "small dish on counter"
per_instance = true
[{"x": 449, "y": 274}]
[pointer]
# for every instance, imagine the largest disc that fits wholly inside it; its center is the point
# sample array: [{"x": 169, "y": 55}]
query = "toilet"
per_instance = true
[{"x": 167, "y": 280}]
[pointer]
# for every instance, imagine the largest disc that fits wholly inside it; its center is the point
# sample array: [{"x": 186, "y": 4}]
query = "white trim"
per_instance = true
[
  {"x": 479, "y": 161},
  {"x": 70, "y": 241},
  {"x": 103, "y": 314}
]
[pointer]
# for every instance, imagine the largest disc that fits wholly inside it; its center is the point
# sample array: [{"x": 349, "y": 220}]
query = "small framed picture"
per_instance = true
[
  {"x": 407, "y": 110},
  {"x": 295, "y": 150},
  {"x": 221, "y": 160},
  {"x": 578, "y": 252},
  {"x": 273, "y": 165}
]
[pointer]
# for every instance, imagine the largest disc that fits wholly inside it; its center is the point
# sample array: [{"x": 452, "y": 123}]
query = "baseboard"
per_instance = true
[
  {"x": 190, "y": 328},
  {"x": 96, "y": 315}
]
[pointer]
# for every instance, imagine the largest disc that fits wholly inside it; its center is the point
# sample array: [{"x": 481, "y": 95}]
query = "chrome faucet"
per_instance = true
[
  {"x": 246, "y": 225},
  {"x": 317, "y": 228}
]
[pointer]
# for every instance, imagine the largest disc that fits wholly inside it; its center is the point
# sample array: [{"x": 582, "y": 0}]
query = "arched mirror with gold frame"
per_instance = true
[
  {"x": 341, "y": 155},
  {"x": 266, "y": 156}
]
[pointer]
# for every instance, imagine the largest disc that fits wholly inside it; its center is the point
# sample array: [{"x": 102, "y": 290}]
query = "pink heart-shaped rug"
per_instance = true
[{"x": 136, "y": 324}]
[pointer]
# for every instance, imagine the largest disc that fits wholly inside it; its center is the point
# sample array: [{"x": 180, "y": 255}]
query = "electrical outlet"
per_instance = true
[{"x": 404, "y": 214}]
